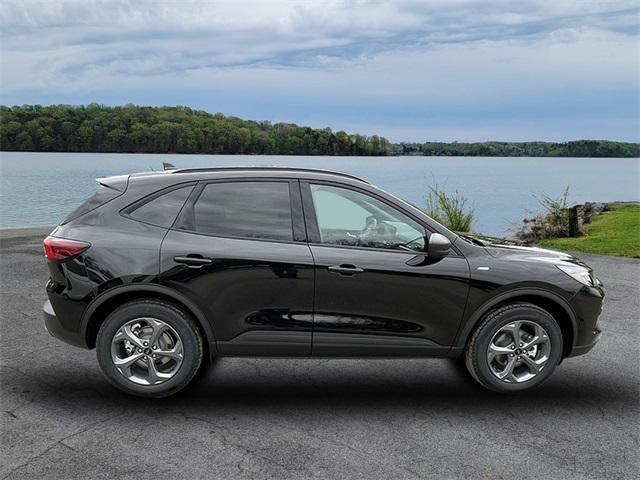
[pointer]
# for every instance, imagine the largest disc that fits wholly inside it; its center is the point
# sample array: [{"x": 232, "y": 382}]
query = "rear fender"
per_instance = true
[{"x": 152, "y": 290}]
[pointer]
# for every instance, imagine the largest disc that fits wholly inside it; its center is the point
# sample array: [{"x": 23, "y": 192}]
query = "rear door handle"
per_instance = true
[
  {"x": 193, "y": 260},
  {"x": 345, "y": 269}
]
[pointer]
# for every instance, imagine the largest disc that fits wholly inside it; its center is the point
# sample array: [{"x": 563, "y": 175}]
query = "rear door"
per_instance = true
[{"x": 238, "y": 249}]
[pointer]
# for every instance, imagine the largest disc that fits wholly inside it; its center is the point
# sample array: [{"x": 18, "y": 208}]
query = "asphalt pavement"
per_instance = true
[{"x": 306, "y": 418}]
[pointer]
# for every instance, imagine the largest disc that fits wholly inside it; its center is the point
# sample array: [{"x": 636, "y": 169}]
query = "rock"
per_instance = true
[
  {"x": 547, "y": 226},
  {"x": 593, "y": 208}
]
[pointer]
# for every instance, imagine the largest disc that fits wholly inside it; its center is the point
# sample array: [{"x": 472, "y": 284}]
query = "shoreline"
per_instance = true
[
  {"x": 8, "y": 233},
  {"x": 394, "y": 155}
]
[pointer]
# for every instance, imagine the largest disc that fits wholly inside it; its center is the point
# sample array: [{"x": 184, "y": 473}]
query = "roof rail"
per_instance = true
[{"x": 264, "y": 167}]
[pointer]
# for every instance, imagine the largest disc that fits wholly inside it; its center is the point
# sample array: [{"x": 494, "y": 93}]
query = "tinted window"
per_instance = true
[
  {"x": 242, "y": 209},
  {"x": 347, "y": 217},
  {"x": 102, "y": 196},
  {"x": 162, "y": 210}
]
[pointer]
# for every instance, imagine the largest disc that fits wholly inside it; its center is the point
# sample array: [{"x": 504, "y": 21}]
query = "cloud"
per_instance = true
[{"x": 429, "y": 66}]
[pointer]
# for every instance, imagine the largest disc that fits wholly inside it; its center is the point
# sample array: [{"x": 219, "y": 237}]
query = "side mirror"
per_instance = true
[{"x": 438, "y": 246}]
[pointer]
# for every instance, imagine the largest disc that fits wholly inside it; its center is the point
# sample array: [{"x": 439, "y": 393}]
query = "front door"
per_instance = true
[
  {"x": 371, "y": 296},
  {"x": 238, "y": 251}
]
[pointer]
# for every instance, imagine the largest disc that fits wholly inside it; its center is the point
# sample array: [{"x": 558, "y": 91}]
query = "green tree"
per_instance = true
[{"x": 132, "y": 128}]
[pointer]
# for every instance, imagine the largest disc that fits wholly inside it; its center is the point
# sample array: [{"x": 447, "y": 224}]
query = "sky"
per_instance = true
[{"x": 408, "y": 70}]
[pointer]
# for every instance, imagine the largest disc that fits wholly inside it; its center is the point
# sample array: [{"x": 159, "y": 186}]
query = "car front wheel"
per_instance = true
[
  {"x": 515, "y": 347},
  {"x": 149, "y": 348}
]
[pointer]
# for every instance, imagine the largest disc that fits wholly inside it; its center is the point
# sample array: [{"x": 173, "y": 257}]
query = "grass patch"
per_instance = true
[{"x": 616, "y": 232}]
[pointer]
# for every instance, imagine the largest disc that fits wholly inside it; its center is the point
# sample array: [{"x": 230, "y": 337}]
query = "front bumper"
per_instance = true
[
  {"x": 587, "y": 304},
  {"x": 55, "y": 327},
  {"x": 582, "y": 349}
]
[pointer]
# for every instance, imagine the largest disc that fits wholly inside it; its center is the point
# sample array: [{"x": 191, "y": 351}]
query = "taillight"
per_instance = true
[{"x": 60, "y": 249}]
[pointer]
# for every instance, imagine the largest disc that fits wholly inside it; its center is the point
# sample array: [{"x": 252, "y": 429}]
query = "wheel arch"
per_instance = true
[
  {"x": 101, "y": 306},
  {"x": 557, "y": 307}
]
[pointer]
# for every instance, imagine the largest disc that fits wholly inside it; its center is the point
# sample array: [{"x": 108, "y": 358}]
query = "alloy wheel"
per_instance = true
[
  {"x": 147, "y": 351},
  {"x": 518, "y": 351}
]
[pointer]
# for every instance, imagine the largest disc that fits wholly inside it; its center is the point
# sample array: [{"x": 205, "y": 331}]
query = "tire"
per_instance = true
[
  {"x": 134, "y": 326},
  {"x": 492, "y": 352}
]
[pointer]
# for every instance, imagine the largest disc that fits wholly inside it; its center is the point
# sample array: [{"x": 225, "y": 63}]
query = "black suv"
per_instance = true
[{"x": 163, "y": 271}]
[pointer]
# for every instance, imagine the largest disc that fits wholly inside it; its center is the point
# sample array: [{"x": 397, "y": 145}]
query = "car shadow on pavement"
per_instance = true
[
  {"x": 323, "y": 387},
  {"x": 333, "y": 386}
]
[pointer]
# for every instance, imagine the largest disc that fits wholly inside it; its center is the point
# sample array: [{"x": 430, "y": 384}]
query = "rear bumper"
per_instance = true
[{"x": 54, "y": 326}]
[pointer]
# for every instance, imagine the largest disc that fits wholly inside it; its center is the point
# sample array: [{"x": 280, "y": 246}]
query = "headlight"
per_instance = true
[{"x": 579, "y": 273}]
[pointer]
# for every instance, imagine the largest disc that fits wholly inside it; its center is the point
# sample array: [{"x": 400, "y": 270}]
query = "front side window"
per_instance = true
[
  {"x": 347, "y": 217},
  {"x": 258, "y": 210}
]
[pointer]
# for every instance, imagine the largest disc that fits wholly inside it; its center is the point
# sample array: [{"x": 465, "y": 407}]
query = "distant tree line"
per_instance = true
[
  {"x": 135, "y": 129},
  {"x": 578, "y": 148}
]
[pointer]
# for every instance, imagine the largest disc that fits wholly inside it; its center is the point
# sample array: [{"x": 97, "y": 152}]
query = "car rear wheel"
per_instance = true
[
  {"x": 149, "y": 348},
  {"x": 515, "y": 347}
]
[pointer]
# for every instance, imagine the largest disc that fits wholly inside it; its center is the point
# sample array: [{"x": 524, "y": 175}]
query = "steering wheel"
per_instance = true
[
  {"x": 377, "y": 232},
  {"x": 368, "y": 230}
]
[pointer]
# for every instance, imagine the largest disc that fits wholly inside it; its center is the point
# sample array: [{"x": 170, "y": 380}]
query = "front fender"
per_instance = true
[{"x": 473, "y": 317}]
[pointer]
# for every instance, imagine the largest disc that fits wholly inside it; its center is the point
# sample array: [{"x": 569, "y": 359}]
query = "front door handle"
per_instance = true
[
  {"x": 345, "y": 269},
  {"x": 194, "y": 261}
]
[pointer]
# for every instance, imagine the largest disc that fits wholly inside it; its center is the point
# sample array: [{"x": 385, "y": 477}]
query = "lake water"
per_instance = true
[{"x": 39, "y": 189}]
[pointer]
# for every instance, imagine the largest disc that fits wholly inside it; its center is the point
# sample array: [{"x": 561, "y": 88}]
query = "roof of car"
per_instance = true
[{"x": 259, "y": 170}]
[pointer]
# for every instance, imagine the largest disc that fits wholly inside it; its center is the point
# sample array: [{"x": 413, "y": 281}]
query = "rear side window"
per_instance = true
[
  {"x": 102, "y": 196},
  {"x": 241, "y": 209},
  {"x": 161, "y": 210}
]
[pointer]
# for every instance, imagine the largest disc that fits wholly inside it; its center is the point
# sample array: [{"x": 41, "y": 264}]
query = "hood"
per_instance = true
[
  {"x": 533, "y": 254},
  {"x": 502, "y": 247}
]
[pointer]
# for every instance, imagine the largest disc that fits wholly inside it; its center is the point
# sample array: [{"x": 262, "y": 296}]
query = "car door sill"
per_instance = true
[
  {"x": 267, "y": 343},
  {"x": 278, "y": 343},
  {"x": 333, "y": 344}
]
